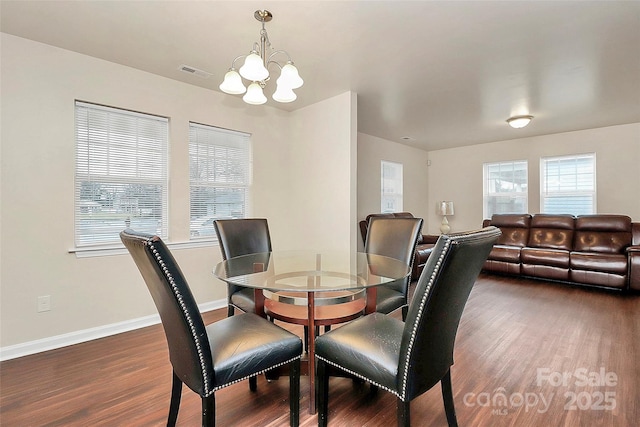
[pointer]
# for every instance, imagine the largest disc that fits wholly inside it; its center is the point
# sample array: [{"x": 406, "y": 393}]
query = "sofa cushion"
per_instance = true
[
  {"x": 599, "y": 278},
  {"x": 590, "y": 261},
  {"x": 552, "y": 232},
  {"x": 545, "y": 271},
  {"x": 515, "y": 229},
  {"x": 511, "y": 220},
  {"x": 549, "y": 257},
  {"x": 501, "y": 266},
  {"x": 602, "y": 233},
  {"x": 505, "y": 253}
]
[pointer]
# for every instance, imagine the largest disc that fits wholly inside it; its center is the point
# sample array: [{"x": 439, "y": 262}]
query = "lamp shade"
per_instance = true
[
  {"x": 232, "y": 83},
  {"x": 253, "y": 68},
  {"x": 254, "y": 95},
  {"x": 289, "y": 76},
  {"x": 445, "y": 208}
]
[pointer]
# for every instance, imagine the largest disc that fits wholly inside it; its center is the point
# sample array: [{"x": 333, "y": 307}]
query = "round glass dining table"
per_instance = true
[{"x": 312, "y": 288}]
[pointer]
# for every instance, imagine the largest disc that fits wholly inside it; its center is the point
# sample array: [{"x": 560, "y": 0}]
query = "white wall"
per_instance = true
[
  {"x": 456, "y": 174},
  {"x": 306, "y": 176},
  {"x": 372, "y": 150},
  {"x": 39, "y": 86},
  {"x": 324, "y": 171}
]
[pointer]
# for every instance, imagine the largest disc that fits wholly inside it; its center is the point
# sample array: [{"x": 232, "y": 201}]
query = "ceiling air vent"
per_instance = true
[{"x": 194, "y": 71}]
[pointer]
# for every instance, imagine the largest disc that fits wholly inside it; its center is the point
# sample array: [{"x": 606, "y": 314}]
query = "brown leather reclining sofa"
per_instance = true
[
  {"x": 423, "y": 248},
  {"x": 594, "y": 250}
]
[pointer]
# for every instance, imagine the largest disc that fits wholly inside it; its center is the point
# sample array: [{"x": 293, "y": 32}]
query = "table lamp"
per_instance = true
[{"x": 445, "y": 208}]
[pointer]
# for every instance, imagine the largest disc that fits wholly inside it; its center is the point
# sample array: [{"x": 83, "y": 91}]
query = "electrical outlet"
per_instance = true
[{"x": 44, "y": 303}]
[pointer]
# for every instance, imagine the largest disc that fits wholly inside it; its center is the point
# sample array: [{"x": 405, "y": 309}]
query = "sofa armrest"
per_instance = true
[
  {"x": 633, "y": 253},
  {"x": 635, "y": 233},
  {"x": 429, "y": 238}
]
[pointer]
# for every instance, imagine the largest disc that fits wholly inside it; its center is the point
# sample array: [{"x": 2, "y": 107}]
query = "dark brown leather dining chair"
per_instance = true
[
  {"x": 239, "y": 237},
  {"x": 408, "y": 358},
  {"x": 209, "y": 358},
  {"x": 394, "y": 238},
  {"x": 245, "y": 236}
]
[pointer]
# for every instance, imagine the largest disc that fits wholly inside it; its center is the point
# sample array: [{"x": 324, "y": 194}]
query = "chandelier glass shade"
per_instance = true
[
  {"x": 256, "y": 71},
  {"x": 232, "y": 83},
  {"x": 254, "y": 95},
  {"x": 253, "y": 68},
  {"x": 284, "y": 94}
]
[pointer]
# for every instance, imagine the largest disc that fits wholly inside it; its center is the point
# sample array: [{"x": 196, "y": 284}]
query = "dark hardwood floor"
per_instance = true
[{"x": 528, "y": 353}]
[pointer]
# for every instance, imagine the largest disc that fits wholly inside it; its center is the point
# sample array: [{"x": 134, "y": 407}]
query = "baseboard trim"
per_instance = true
[{"x": 77, "y": 337}]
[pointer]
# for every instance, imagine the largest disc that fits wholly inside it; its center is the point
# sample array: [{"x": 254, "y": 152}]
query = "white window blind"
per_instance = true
[
  {"x": 391, "y": 197},
  {"x": 220, "y": 176},
  {"x": 505, "y": 188},
  {"x": 568, "y": 184},
  {"x": 121, "y": 174}
]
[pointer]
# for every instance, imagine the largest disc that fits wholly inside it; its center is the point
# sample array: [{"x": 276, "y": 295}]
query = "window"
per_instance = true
[
  {"x": 505, "y": 188},
  {"x": 568, "y": 184},
  {"x": 391, "y": 187},
  {"x": 220, "y": 176},
  {"x": 121, "y": 174}
]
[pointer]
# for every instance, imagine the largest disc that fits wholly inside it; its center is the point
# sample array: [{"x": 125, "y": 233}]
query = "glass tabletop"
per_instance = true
[{"x": 310, "y": 271}]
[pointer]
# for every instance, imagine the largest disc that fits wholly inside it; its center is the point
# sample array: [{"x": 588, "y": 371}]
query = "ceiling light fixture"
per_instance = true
[
  {"x": 518, "y": 122},
  {"x": 255, "y": 70}
]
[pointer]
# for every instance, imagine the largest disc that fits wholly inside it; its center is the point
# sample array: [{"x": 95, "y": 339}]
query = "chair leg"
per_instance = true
[
  {"x": 447, "y": 396},
  {"x": 174, "y": 406},
  {"x": 404, "y": 413},
  {"x": 294, "y": 393},
  {"x": 322, "y": 382},
  {"x": 230, "y": 310},
  {"x": 373, "y": 390},
  {"x": 253, "y": 383},
  {"x": 209, "y": 411},
  {"x": 405, "y": 310}
]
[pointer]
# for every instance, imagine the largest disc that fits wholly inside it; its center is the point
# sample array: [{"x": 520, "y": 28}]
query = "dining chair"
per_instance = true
[
  {"x": 245, "y": 236},
  {"x": 395, "y": 238},
  {"x": 209, "y": 358},
  {"x": 239, "y": 237},
  {"x": 408, "y": 358}
]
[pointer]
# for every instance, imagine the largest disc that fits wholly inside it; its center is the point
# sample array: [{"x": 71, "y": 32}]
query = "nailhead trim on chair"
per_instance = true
[
  {"x": 355, "y": 374},
  {"x": 402, "y": 393},
  {"x": 203, "y": 365},
  {"x": 256, "y": 373},
  {"x": 423, "y": 301}
]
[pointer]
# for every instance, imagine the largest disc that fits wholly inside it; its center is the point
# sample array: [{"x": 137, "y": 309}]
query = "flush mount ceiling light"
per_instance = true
[
  {"x": 255, "y": 70},
  {"x": 518, "y": 122}
]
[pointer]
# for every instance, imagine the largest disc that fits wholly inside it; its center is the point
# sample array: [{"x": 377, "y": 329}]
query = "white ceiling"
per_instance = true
[{"x": 445, "y": 73}]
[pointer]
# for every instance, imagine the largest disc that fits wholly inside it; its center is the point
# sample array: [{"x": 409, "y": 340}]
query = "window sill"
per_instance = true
[{"x": 109, "y": 250}]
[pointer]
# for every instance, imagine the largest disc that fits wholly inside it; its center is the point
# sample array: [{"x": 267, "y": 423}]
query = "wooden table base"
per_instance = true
[{"x": 312, "y": 316}]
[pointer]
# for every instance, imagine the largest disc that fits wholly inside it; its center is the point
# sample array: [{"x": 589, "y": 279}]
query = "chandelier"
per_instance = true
[{"x": 255, "y": 70}]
